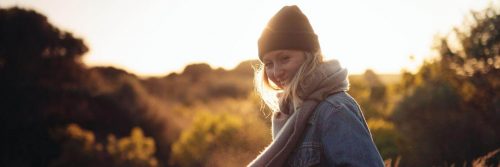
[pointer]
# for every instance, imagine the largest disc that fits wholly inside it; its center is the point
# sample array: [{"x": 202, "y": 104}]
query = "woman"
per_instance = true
[{"x": 315, "y": 122}]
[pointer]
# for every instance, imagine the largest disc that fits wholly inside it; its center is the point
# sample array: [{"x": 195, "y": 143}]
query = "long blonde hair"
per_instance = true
[{"x": 268, "y": 91}]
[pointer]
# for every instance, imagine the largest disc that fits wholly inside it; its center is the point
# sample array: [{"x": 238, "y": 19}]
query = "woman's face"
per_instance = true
[{"x": 281, "y": 65}]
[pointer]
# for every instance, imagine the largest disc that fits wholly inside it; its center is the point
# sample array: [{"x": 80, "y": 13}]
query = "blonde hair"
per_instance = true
[{"x": 268, "y": 91}]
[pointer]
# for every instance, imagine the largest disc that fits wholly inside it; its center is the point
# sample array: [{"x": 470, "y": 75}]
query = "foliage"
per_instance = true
[
  {"x": 200, "y": 83},
  {"x": 385, "y": 136},
  {"x": 79, "y": 148},
  {"x": 220, "y": 136},
  {"x": 136, "y": 150},
  {"x": 452, "y": 100},
  {"x": 207, "y": 132}
]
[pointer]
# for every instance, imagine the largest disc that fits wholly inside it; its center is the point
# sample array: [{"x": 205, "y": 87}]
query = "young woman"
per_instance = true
[{"x": 314, "y": 122}]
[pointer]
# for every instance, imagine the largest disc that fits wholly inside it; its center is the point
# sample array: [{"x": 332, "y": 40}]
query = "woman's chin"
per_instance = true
[{"x": 283, "y": 86}]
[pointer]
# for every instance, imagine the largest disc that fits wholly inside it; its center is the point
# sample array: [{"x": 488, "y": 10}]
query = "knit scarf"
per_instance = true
[{"x": 288, "y": 126}]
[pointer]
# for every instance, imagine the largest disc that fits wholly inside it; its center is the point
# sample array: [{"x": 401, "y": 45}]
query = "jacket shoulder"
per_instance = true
[
  {"x": 340, "y": 98},
  {"x": 338, "y": 102}
]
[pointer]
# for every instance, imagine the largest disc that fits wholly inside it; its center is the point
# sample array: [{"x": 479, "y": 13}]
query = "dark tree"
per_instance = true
[
  {"x": 44, "y": 87},
  {"x": 38, "y": 64}
]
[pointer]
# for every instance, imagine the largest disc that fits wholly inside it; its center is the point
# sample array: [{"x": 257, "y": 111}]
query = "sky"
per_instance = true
[{"x": 157, "y": 37}]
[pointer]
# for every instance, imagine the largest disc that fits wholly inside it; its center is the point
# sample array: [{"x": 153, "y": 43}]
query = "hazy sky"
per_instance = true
[{"x": 156, "y": 37}]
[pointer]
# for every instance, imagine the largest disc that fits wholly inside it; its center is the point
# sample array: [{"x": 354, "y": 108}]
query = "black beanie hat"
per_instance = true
[{"x": 288, "y": 29}]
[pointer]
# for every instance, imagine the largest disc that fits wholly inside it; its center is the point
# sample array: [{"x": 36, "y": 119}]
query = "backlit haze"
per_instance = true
[{"x": 156, "y": 37}]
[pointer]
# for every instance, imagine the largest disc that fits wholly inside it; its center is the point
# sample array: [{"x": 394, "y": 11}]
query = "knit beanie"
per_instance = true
[{"x": 288, "y": 29}]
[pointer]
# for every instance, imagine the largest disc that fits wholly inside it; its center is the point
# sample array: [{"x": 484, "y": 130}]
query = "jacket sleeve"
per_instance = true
[{"x": 345, "y": 137}]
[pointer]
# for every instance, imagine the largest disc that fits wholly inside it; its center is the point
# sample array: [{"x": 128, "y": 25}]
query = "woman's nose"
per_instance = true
[{"x": 278, "y": 72}]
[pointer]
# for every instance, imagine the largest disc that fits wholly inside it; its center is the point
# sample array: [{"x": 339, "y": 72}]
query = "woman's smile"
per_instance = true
[{"x": 281, "y": 65}]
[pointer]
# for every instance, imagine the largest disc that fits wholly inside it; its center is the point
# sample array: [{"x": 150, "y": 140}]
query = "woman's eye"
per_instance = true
[
  {"x": 284, "y": 58},
  {"x": 268, "y": 65}
]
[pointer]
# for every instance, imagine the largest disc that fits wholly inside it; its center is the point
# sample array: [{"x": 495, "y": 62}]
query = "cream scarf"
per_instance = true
[{"x": 287, "y": 129}]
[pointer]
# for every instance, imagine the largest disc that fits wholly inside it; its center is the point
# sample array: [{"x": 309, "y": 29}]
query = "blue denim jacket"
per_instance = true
[{"x": 336, "y": 135}]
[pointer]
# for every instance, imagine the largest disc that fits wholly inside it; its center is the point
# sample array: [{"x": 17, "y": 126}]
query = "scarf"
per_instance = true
[{"x": 288, "y": 127}]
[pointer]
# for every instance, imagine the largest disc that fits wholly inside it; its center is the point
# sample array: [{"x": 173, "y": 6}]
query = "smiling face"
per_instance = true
[{"x": 281, "y": 65}]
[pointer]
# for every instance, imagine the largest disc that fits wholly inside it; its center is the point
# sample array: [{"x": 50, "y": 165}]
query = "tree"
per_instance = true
[
  {"x": 451, "y": 107},
  {"x": 39, "y": 68},
  {"x": 44, "y": 86}
]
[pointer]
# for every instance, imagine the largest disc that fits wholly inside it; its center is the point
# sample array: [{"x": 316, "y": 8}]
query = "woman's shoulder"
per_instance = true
[
  {"x": 338, "y": 99},
  {"x": 339, "y": 102}
]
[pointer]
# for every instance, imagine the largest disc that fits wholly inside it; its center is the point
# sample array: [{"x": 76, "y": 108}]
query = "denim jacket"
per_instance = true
[{"x": 336, "y": 135}]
